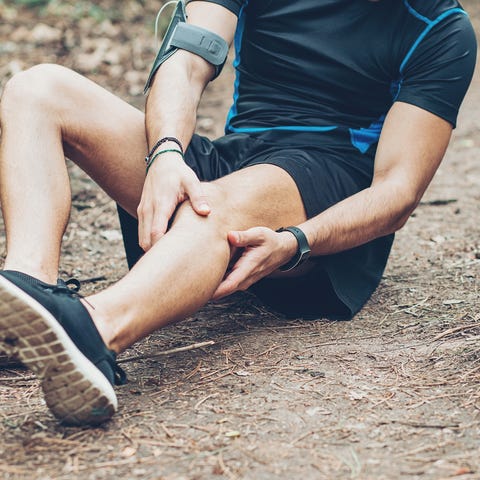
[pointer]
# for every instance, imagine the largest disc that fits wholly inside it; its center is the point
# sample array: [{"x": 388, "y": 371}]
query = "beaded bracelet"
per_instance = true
[
  {"x": 163, "y": 140},
  {"x": 151, "y": 160}
]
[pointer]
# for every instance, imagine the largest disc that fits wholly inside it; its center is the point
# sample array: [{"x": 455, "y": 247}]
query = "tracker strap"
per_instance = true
[{"x": 303, "y": 250}]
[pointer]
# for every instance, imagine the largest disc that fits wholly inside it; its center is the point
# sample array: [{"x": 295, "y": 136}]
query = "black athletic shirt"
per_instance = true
[
  {"x": 315, "y": 65},
  {"x": 326, "y": 72}
]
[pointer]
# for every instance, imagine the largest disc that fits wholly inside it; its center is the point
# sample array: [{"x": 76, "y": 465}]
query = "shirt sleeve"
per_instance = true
[
  {"x": 233, "y": 5},
  {"x": 437, "y": 72}
]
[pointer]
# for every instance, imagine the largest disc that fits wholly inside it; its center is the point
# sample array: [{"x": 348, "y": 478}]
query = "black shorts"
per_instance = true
[{"x": 339, "y": 284}]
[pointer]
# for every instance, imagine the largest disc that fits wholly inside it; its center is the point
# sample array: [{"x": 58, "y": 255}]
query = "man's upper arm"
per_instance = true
[
  {"x": 210, "y": 16},
  {"x": 434, "y": 80},
  {"x": 213, "y": 16},
  {"x": 235, "y": 6},
  {"x": 437, "y": 72},
  {"x": 411, "y": 147}
]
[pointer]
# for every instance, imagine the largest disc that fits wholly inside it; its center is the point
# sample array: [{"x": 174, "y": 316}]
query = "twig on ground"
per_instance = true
[
  {"x": 203, "y": 400},
  {"x": 134, "y": 358},
  {"x": 301, "y": 437},
  {"x": 26, "y": 378},
  {"x": 93, "y": 279},
  {"x": 168, "y": 433},
  {"x": 471, "y": 372},
  {"x": 422, "y": 425},
  {"x": 13, "y": 470},
  {"x": 194, "y": 371},
  {"x": 439, "y": 202},
  {"x": 453, "y": 330}
]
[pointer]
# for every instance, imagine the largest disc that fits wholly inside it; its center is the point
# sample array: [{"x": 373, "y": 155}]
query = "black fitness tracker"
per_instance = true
[{"x": 303, "y": 250}]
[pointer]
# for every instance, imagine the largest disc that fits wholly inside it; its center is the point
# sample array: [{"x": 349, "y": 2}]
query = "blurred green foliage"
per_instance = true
[
  {"x": 98, "y": 10},
  {"x": 31, "y": 3},
  {"x": 71, "y": 9}
]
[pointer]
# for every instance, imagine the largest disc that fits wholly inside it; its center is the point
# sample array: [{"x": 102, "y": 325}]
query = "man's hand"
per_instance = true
[
  {"x": 170, "y": 181},
  {"x": 264, "y": 251}
]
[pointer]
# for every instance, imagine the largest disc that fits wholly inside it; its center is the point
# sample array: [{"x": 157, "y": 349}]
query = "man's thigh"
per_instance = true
[
  {"x": 279, "y": 185},
  {"x": 260, "y": 194},
  {"x": 101, "y": 133}
]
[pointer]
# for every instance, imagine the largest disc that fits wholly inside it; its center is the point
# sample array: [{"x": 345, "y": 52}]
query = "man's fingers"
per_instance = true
[
  {"x": 159, "y": 225},
  {"x": 223, "y": 290},
  {"x": 251, "y": 237},
  {"x": 231, "y": 284},
  {"x": 152, "y": 222},
  {"x": 144, "y": 215},
  {"x": 197, "y": 197},
  {"x": 239, "y": 278}
]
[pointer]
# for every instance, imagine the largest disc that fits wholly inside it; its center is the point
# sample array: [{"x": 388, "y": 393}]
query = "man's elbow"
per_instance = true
[{"x": 409, "y": 203}]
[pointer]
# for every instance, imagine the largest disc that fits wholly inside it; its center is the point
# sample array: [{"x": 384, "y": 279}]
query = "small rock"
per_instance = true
[
  {"x": 111, "y": 235},
  {"x": 15, "y": 66},
  {"x": 128, "y": 452},
  {"x": 205, "y": 123},
  {"x": 453, "y": 301},
  {"x": 43, "y": 34},
  {"x": 357, "y": 395},
  {"x": 465, "y": 143},
  {"x": 311, "y": 412},
  {"x": 20, "y": 34},
  {"x": 438, "y": 239}
]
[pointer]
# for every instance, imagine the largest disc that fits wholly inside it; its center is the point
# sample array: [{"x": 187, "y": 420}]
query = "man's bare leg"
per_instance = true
[
  {"x": 45, "y": 326},
  {"x": 106, "y": 138},
  {"x": 181, "y": 271},
  {"x": 44, "y": 111}
]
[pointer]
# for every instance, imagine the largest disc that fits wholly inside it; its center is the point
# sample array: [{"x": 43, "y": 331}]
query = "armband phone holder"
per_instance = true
[{"x": 200, "y": 41}]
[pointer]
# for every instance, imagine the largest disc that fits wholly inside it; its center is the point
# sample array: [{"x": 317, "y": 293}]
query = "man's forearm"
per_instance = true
[
  {"x": 180, "y": 81},
  {"x": 173, "y": 100},
  {"x": 405, "y": 163},
  {"x": 369, "y": 214}
]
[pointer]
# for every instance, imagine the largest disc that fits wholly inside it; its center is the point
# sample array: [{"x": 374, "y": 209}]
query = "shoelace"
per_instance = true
[
  {"x": 71, "y": 287},
  {"x": 119, "y": 375}
]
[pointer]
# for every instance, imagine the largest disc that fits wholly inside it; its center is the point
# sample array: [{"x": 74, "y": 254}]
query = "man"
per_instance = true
[{"x": 342, "y": 113}]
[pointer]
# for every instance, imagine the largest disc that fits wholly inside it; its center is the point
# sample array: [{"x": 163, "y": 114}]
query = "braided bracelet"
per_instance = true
[
  {"x": 163, "y": 140},
  {"x": 151, "y": 160}
]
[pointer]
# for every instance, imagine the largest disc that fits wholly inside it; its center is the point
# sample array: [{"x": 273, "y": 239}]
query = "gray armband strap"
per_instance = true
[
  {"x": 181, "y": 35},
  {"x": 206, "y": 44}
]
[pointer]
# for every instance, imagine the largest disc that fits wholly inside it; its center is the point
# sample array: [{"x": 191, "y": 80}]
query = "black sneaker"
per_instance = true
[{"x": 49, "y": 330}]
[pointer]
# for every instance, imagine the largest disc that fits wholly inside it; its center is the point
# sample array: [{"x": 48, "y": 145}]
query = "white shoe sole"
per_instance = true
[{"x": 75, "y": 391}]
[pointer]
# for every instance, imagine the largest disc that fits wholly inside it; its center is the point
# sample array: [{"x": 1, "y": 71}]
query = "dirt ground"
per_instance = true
[{"x": 393, "y": 394}]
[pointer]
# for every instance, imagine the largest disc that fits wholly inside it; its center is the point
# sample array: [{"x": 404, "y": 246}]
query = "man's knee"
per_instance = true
[
  {"x": 230, "y": 205},
  {"x": 219, "y": 203},
  {"x": 42, "y": 86}
]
